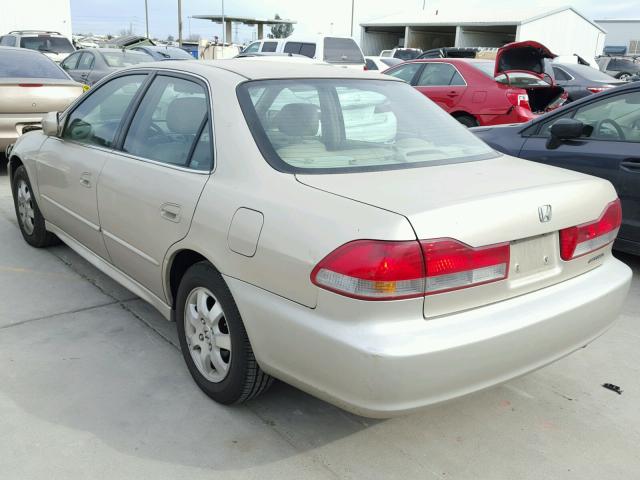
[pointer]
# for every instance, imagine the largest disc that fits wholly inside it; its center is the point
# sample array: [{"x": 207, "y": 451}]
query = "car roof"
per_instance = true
[
  {"x": 257, "y": 69},
  {"x": 107, "y": 50},
  {"x": 25, "y": 51}
]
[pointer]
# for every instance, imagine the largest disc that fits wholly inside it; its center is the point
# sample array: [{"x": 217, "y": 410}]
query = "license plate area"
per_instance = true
[{"x": 534, "y": 258}]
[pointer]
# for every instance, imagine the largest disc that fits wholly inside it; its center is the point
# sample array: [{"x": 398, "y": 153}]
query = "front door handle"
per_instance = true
[
  {"x": 171, "y": 212},
  {"x": 632, "y": 164},
  {"x": 452, "y": 94},
  {"x": 85, "y": 179}
]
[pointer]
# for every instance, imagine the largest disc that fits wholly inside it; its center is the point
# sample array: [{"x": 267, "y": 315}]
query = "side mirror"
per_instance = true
[
  {"x": 51, "y": 124},
  {"x": 567, "y": 129}
]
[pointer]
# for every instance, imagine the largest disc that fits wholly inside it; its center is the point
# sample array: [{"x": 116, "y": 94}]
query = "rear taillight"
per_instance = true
[
  {"x": 365, "y": 68},
  {"x": 373, "y": 270},
  {"x": 383, "y": 270},
  {"x": 597, "y": 89},
  {"x": 452, "y": 265},
  {"x": 588, "y": 237},
  {"x": 30, "y": 85},
  {"x": 518, "y": 99}
]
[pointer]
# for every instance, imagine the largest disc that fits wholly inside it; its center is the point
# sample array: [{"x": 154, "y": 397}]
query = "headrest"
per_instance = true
[
  {"x": 184, "y": 115},
  {"x": 298, "y": 120}
]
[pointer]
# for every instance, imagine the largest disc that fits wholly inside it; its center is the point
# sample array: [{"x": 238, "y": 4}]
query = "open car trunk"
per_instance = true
[{"x": 544, "y": 99}]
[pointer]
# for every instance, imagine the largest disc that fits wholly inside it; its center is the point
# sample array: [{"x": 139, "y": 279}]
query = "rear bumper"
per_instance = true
[
  {"x": 516, "y": 115},
  {"x": 11, "y": 127},
  {"x": 393, "y": 366}
]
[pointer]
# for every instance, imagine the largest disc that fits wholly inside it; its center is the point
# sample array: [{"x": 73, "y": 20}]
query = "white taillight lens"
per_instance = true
[
  {"x": 588, "y": 237},
  {"x": 380, "y": 270}
]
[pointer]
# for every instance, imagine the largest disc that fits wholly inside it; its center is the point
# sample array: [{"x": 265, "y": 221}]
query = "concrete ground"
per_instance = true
[{"x": 92, "y": 385}]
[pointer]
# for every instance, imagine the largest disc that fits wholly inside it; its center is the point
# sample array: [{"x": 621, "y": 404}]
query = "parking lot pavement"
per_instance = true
[{"x": 93, "y": 386}]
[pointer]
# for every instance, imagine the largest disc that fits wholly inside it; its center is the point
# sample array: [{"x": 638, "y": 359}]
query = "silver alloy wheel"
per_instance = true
[
  {"x": 625, "y": 77},
  {"x": 25, "y": 207},
  {"x": 207, "y": 334}
]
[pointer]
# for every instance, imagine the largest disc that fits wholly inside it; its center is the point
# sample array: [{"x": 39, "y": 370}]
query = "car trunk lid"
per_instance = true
[
  {"x": 526, "y": 56},
  {"x": 486, "y": 203},
  {"x": 37, "y": 95}
]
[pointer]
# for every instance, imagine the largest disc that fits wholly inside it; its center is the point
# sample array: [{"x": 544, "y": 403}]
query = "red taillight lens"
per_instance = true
[
  {"x": 518, "y": 99},
  {"x": 597, "y": 89},
  {"x": 588, "y": 237},
  {"x": 380, "y": 270},
  {"x": 452, "y": 265},
  {"x": 371, "y": 269},
  {"x": 30, "y": 85}
]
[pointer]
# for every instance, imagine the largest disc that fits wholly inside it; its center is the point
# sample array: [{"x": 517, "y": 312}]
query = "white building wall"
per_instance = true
[
  {"x": 564, "y": 33},
  {"x": 52, "y": 15}
]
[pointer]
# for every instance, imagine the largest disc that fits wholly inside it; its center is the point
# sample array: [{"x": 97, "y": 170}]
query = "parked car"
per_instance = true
[
  {"x": 580, "y": 81},
  {"x": 164, "y": 52},
  {"x": 90, "y": 66},
  {"x": 381, "y": 269},
  {"x": 619, "y": 67},
  {"x": 53, "y": 44},
  {"x": 401, "y": 53},
  {"x": 453, "y": 52},
  {"x": 378, "y": 64},
  {"x": 342, "y": 51},
  {"x": 598, "y": 135},
  {"x": 30, "y": 86},
  {"x": 513, "y": 88}
]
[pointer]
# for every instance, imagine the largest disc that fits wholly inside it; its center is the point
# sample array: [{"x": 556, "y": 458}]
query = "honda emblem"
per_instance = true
[{"x": 544, "y": 213}]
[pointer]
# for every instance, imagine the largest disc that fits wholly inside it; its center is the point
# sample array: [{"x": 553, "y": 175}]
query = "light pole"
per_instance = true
[
  {"x": 146, "y": 17},
  {"x": 224, "y": 26},
  {"x": 180, "y": 22},
  {"x": 353, "y": 6}
]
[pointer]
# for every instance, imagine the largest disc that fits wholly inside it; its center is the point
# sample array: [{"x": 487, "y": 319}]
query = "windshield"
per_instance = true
[
  {"x": 406, "y": 53},
  {"x": 118, "y": 58},
  {"x": 172, "y": 52},
  {"x": 24, "y": 64},
  {"x": 342, "y": 50},
  {"x": 338, "y": 125},
  {"x": 46, "y": 43}
]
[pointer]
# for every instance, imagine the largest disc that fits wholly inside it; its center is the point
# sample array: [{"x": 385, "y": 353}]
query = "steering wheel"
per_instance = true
[
  {"x": 613, "y": 123},
  {"x": 157, "y": 132}
]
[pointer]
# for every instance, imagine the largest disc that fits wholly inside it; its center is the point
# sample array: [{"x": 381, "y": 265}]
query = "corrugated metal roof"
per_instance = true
[{"x": 464, "y": 17}]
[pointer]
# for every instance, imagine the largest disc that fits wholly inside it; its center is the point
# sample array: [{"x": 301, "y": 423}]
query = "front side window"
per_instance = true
[
  {"x": 405, "y": 72},
  {"x": 96, "y": 119},
  {"x": 341, "y": 125},
  {"x": 71, "y": 62},
  {"x": 613, "y": 118},
  {"x": 439, "y": 74},
  {"x": 253, "y": 48},
  {"x": 269, "y": 46},
  {"x": 169, "y": 122}
]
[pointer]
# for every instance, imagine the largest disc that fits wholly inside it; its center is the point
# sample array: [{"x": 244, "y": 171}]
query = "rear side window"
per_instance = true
[
  {"x": 46, "y": 43},
  {"x": 169, "y": 122},
  {"x": 269, "y": 46},
  {"x": 308, "y": 50},
  {"x": 25, "y": 64},
  {"x": 96, "y": 119},
  {"x": 342, "y": 50},
  {"x": 342, "y": 125},
  {"x": 405, "y": 72},
  {"x": 8, "y": 41},
  {"x": 371, "y": 65},
  {"x": 561, "y": 74},
  {"x": 86, "y": 61}
]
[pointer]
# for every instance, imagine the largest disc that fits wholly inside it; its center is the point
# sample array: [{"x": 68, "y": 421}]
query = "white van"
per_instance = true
[{"x": 343, "y": 51}]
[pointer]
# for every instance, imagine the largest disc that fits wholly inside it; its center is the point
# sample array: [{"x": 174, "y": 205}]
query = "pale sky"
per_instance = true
[{"x": 325, "y": 16}]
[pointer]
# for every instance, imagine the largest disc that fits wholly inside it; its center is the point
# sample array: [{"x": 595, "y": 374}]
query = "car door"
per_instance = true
[
  {"x": 148, "y": 191},
  {"x": 68, "y": 167},
  {"x": 611, "y": 151},
  {"x": 442, "y": 83},
  {"x": 85, "y": 67},
  {"x": 565, "y": 80}
]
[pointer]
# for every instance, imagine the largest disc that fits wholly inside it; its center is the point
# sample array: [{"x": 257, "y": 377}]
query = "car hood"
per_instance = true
[{"x": 526, "y": 56}]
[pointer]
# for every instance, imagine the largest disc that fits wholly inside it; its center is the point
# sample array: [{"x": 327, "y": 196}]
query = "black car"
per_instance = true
[
  {"x": 580, "y": 81},
  {"x": 598, "y": 135},
  {"x": 622, "y": 68}
]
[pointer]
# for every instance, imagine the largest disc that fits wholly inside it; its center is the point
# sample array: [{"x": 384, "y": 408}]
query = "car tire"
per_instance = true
[
  {"x": 208, "y": 320},
  {"x": 30, "y": 219},
  {"x": 467, "y": 120},
  {"x": 624, "y": 76}
]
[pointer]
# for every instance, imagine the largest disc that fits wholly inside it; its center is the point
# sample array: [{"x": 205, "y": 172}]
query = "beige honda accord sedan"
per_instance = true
[{"x": 330, "y": 228}]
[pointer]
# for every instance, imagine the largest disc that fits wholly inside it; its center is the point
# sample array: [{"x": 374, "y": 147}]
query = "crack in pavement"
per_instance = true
[{"x": 53, "y": 315}]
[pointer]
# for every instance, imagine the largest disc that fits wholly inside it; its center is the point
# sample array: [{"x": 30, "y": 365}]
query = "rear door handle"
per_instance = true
[
  {"x": 632, "y": 164},
  {"x": 171, "y": 212},
  {"x": 85, "y": 179},
  {"x": 452, "y": 94}
]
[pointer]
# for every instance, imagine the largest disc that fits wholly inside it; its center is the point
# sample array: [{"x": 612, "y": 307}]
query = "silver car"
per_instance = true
[{"x": 331, "y": 228}]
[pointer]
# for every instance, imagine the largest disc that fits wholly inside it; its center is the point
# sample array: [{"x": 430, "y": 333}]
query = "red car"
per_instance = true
[{"x": 513, "y": 88}]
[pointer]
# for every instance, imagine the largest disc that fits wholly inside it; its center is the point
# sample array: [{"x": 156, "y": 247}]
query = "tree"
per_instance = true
[
  {"x": 170, "y": 38},
  {"x": 281, "y": 30}
]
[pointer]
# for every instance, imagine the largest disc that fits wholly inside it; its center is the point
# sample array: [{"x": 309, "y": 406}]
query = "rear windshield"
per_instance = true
[
  {"x": 172, "y": 52},
  {"x": 118, "y": 58},
  {"x": 590, "y": 73},
  {"x": 517, "y": 79},
  {"x": 342, "y": 50},
  {"x": 46, "y": 43},
  {"x": 341, "y": 125},
  {"x": 24, "y": 64},
  {"x": 406, "y": 53}
]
